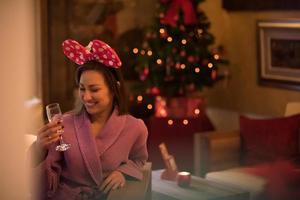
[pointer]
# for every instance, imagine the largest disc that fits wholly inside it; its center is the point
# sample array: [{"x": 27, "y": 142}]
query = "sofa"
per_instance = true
[{"x": 225, "y": 156}]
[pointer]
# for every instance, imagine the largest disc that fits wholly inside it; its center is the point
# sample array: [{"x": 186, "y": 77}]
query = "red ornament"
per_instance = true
[
  {"x": 164, "y": 35},
  {"x": 214, "y": 75},
  {"x": 169, "y": 78},
  {"x": 191, "y": 59},
  {"x": 182, "y": 53},
  {"x": 143, "y": 77},
  {"x": 214, "y": 51},
  {"x": 148, "y": 35},
  {"x": 144, "y": 74},
  {"x": 182, "y": 28},
  {"x": 155, "y": 90},
  {"x": 205, "y": 62},
  {"x": 191, "y": 87}
]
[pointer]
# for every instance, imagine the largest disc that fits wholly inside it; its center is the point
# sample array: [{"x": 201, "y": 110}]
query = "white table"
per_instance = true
[{"x": 200, "y": 189}]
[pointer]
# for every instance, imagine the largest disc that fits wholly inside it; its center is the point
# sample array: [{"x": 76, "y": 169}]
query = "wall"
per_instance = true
[
  {"x": 135, "y": 13},
  {"x": 17, "y": 80},
  {"x": 237, "y": 32}
]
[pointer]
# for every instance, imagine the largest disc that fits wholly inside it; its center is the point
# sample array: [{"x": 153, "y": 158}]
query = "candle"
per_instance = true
[{"x": 183, "y": 179}]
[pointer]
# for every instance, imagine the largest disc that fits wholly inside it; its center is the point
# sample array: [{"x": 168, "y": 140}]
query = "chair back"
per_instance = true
[
  {"x": 292, "y": 108},
  {"x": 135, "y": 190}
]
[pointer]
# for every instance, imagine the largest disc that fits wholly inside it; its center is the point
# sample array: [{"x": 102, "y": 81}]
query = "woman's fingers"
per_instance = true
[
  {"x": 49, "y": 134},
  {"x": 51, "y": 140},
  {"x": 105, "y": 183},
  {"x": 49, "y": 126},
  {"x": 112, "y": 182},
  {"x": 116, "y": 186},
  {"x": 54, "y": 131}
]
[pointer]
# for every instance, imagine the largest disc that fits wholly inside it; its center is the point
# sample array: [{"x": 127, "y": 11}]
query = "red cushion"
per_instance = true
[
  {"x": 283, "y": 179},
  {"x": 265, "y": 140}
]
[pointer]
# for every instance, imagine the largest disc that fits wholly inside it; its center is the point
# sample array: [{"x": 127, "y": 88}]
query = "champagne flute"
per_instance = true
[{"x": 54, "y": 113}]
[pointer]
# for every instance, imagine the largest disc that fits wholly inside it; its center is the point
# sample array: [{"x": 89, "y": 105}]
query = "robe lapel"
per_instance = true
[
  {"x": 111, "y": 131},
  {"x": 88, "y": 147}
]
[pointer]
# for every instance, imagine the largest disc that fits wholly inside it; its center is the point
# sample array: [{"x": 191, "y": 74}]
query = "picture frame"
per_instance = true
[
  {"x": 259, "y": 5},
  {"x": 279, "y": 53}
]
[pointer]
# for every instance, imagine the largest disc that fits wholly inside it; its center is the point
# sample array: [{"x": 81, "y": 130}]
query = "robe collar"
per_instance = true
[
  {"x": 111, "y": 131},
  {"x": 108, "y": 135}
]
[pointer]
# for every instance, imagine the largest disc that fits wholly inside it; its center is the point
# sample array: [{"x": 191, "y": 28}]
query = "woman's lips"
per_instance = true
[{"x": 90, "y": 104}]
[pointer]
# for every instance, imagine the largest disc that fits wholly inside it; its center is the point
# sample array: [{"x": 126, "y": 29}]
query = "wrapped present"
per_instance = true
[{"x": 178, "y": 107}]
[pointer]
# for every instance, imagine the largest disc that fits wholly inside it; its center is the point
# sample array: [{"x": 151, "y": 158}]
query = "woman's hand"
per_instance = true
[
  {"x": 49, "y": 134},
  {"x": 115, "y": 180}
]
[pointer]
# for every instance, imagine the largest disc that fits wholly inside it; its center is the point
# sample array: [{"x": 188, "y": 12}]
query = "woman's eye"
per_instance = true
[
  {"x": 81, "y": 89},
  {"x": 94, "y": 90}
]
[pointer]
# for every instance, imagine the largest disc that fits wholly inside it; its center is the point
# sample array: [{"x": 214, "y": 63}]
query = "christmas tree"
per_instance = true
[{"x": 175, "y": 58}]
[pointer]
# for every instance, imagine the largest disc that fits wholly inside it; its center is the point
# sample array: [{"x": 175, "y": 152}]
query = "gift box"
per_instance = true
[{"x": 178, "y": 107}]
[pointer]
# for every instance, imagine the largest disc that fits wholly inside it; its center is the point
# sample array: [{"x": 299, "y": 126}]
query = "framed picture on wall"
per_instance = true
[
  {"x": 238, "y": 5},
  {"x": 279, "y": 53}
]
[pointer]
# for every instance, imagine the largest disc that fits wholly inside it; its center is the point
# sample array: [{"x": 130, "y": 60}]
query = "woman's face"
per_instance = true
[{"x": 94, "y": 93}]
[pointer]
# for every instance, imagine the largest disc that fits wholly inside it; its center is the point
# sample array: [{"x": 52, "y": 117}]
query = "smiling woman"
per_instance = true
[{"x": 108, "y": 145}]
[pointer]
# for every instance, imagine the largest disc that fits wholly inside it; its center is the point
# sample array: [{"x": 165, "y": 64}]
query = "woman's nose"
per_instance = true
[{"x": 86, "y": 96}]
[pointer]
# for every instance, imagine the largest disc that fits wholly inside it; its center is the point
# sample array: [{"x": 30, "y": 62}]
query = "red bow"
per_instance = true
[
  {"x": 189, "y": 15},
  {"x": 96, "y": 50}
]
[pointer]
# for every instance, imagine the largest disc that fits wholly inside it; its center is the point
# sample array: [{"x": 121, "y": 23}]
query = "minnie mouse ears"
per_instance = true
[{"x": 96, "y": 50}]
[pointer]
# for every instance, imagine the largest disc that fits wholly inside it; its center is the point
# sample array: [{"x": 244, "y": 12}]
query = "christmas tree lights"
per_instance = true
[{"x": 175, "y": 57}]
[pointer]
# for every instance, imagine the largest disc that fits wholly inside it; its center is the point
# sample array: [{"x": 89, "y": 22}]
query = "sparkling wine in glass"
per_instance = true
[{"x": 54, "y": 113}]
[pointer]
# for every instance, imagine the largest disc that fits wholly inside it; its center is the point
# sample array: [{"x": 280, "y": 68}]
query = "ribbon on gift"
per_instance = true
[{"x": 171, "y": 16}]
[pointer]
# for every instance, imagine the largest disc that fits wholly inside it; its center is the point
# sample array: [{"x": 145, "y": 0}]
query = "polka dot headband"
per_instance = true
[{"x": 96, "y": 50}]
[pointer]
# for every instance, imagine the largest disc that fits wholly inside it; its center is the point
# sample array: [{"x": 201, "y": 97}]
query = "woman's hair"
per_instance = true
[{"x": 114, "y": 80}]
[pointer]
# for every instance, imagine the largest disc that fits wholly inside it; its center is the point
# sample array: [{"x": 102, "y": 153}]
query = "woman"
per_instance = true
[{"x": 108, "y": 146}]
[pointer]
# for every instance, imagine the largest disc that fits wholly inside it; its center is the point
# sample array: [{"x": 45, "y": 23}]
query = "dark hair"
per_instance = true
[{"x": 113, "y": 78}]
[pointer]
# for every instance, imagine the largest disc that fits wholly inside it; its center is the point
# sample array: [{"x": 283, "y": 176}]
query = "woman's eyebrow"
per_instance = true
[{"x": 92, "y": 85}]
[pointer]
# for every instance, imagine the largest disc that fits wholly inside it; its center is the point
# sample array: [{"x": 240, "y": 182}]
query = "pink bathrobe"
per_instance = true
[{"x": 79, "y": 171}]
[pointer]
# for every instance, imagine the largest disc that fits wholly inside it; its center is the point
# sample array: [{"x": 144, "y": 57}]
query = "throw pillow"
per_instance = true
[{"x": 265, "y": 140}]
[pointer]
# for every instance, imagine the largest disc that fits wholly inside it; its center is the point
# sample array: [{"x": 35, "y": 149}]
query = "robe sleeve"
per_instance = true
[
  {"x": 45, "y": 173},
  {"x": 138, "y": 154}
]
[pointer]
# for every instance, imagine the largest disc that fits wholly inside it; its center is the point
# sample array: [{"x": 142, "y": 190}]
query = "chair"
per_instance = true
[
  {"x": 217, "y": 157},
  {"x": 219, "y": 150},
  {"x": 292, "y": 108},
  {"x": 135, "y": 190}
]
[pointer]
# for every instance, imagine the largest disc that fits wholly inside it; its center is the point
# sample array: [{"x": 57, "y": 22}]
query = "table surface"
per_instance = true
[{"x": 200, "y": 189}]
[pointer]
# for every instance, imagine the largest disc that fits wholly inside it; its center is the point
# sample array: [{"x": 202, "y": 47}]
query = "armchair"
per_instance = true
[
  {"x": 218, "y": 155},
  {"x": 215, "y": 151},
  {"x": 135, "y": 190}
]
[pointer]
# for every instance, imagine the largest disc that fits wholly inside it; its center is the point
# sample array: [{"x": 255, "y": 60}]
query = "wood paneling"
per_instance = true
[{"x": 57, "y": 77}]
